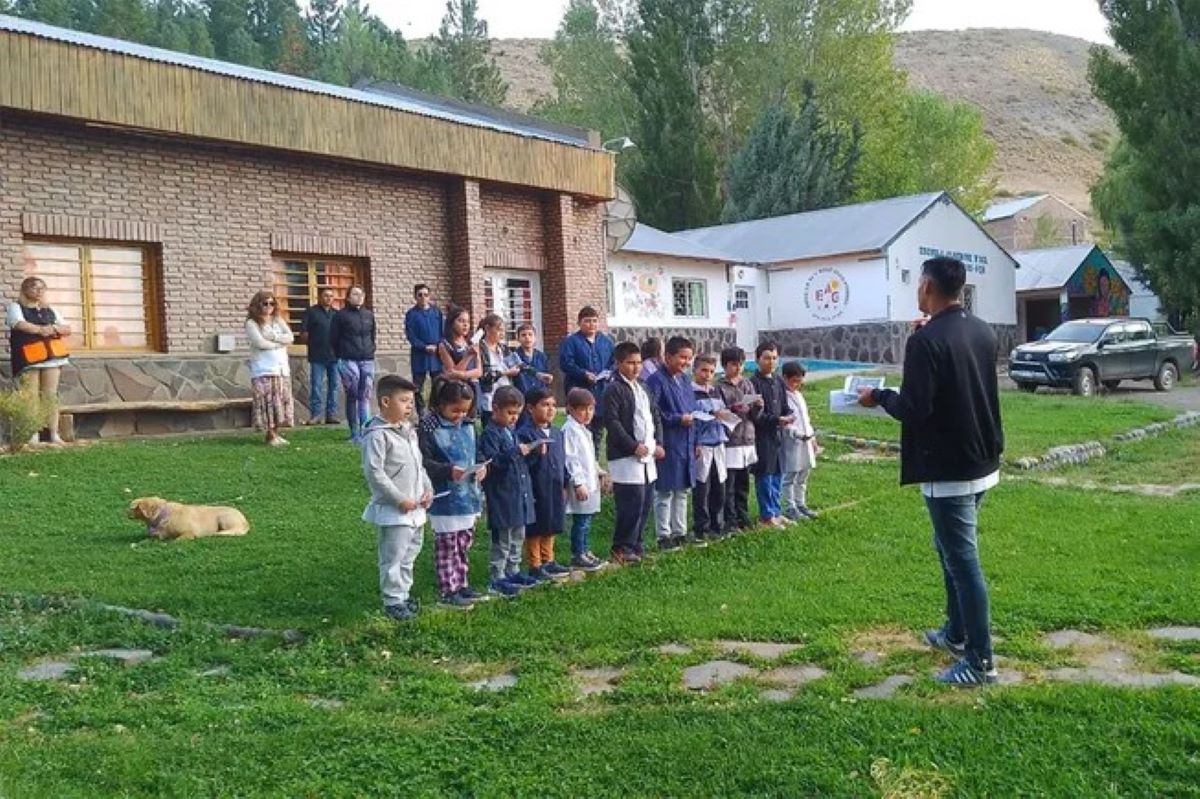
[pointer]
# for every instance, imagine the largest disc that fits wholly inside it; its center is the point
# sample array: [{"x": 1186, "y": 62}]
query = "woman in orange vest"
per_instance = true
[{"x": 37, "y": 341}]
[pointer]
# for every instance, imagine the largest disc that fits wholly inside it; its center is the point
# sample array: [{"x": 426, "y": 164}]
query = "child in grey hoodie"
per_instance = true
[{"x": 400, "y": 492}]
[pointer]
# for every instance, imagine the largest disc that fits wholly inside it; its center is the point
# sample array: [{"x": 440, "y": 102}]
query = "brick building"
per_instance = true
[
  {"x": 156, "y": 192},
  {"x": 1037, "y": 221}
]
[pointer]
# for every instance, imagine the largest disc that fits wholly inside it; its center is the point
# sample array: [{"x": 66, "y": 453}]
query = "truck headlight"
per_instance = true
[
  {"x": 1012, "y": 356},
  {"x": 1064, "y": 357}
]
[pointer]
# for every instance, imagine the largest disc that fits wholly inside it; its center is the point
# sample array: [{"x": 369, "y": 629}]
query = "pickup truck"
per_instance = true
[{"x": 1084, "y": 354}]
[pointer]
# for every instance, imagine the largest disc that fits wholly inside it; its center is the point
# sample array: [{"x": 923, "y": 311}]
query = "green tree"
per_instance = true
[
  {"x": 928, "y": 144},
  {"x": 463, "y": 45},
  {"x": 1150, "y": 192},
  {"x": 591, "y": 80},
  {"x": 122, "y": 19},
  {"x": 674, "y": 179},
  {"x": 64, "y": 13},
  {"x": 358, "y": 51},
  {"x": 270, "y": 22},
  {"x": 792, "y": 162},
  {"x": 323, "y": 19}
]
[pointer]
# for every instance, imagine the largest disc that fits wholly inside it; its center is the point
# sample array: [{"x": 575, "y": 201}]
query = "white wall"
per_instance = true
[
  {"x": 826, "y": 292},
  {"x": 642, "y": 295},
  {"x": 947, "y": 230}
]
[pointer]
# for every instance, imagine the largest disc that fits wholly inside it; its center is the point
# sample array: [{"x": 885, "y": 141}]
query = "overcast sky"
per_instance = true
[{"x": 516, "y": 19}]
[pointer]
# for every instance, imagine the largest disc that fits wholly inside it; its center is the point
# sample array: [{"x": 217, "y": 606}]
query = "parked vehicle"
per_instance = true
[{"x": 1084, "y": 354}]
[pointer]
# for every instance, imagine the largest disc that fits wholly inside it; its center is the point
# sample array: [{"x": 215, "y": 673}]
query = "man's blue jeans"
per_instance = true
[
  {"x": 768, "y": 487},
  {"x": 954, "y": 537},
  {"x": 322, "y": 395},
  {"x": 581, "y": 525}
]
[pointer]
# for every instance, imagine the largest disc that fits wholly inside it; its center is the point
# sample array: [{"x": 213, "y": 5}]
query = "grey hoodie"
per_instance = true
[{"x": 391, "y": 461}]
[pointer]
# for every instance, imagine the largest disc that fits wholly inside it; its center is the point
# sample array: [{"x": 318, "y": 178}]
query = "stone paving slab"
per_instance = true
[
  {"x": 126, "y": 657},
  {"x": 1066, "y": 639},
  {"x": 500, "y": 682},
  {"x": 1122, "y": 679},
  {"x": 673, "y": 649},
  {"x": 594, "y": 682},
  {"x": 46, "y": 670},
  {"x": 709, "y": 675},
  {"x": 886, "y": 689},
  {"x": 768, "y": 650},
  {"x": 1175, "y": 633}
]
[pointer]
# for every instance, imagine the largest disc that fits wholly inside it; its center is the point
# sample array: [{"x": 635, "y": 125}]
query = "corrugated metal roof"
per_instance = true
[
  {"x": 652, "y": 241},
  {"x": 1011, "y": 207},
  {"x": 409, "y": 102},
  {"x": 865, "y": 227},
  {"x": 1050, "y": 268}
]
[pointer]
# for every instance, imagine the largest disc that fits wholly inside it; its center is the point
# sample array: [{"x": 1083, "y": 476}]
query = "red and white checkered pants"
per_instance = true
[{"x": 450, "y": 559}]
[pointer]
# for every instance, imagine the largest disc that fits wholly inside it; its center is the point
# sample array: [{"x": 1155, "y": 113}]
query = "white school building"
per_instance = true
[{"x": 835, "y": 284}]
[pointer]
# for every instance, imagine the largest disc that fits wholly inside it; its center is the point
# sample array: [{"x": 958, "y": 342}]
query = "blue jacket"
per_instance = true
[
  {"x": 674, "y": 398},
  {"x": 507, "y": 486},
  {"x": 443, "y": 446},
  {"x": 530, "y": 367},
  {"x": 549, "y": 475},
  {"x": 423, "y": 327},
  {"x": 578, "y": 355}
]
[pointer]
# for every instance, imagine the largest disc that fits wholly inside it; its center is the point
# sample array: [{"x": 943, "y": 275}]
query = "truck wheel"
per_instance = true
[
  {"x": 1028, "y": 388},
  {"x": 1167, "y": 376},
  {"x": 1084, "y": 384},
  {"x": 1112, "y": 385}
]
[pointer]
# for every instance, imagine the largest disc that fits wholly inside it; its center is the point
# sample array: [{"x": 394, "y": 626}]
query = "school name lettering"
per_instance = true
[{"x": 972, "y": 261}]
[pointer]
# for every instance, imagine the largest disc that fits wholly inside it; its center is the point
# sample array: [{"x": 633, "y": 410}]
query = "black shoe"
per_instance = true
[
  {"x": 697, "y": 540},
  {"x": 401, "y": 612},
  {"x": 455, "y": 602},
  {"x": 668, "y": 544}
]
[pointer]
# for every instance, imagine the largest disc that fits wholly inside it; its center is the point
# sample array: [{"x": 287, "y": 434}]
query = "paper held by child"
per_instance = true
[
  {"x": 513, "y": 361},
  {"x": 474, "y": 473},
  {"x": 845, "y": 399}
]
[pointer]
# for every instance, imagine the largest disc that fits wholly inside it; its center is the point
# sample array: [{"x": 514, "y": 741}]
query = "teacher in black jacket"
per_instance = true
[{"x": 950, "y": 444}]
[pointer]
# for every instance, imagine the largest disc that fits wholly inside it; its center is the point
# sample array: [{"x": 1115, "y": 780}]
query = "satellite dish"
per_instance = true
[{"x": 620, "y": 218}]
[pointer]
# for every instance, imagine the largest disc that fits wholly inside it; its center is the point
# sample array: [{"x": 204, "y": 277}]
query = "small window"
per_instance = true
[
  {"x": 741, "y": 300},
  {"x": 299, "y": 280},
  {"x": 690, "y": 298},
  {"x": 969, "y": 298},
  {"x": 512, "y": 299},
  {"x": 107, "y": 294}
]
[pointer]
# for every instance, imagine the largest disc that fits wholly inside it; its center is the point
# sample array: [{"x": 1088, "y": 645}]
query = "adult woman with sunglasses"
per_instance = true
[
  {"x": 270, "y": 373},
  {"x": 37, "y": 341}
]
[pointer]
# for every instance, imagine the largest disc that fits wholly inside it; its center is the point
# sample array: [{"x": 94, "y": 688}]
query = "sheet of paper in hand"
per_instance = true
[
  {"x": 513, "y": 361},
  {"x": 845, "y": 399}
]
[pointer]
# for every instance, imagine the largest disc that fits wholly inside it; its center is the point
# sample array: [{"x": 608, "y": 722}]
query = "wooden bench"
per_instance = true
[{"x": 67, "y": 413}]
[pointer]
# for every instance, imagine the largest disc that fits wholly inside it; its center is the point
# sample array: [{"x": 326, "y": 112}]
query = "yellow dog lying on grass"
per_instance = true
[{"x": 173, "y": 520}]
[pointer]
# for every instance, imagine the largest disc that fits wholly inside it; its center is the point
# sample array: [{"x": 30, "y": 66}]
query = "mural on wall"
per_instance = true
[
  {"x": 827, "y": 294},
  {"x": 1099, "y": 284},
  {"x": 640, "y": 296}
]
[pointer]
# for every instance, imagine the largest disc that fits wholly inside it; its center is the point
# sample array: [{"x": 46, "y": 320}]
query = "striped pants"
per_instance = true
[{"x": 450, "y": 552}]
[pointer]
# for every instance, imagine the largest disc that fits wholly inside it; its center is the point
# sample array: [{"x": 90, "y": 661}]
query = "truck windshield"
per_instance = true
[{"x": 1076, "y": 333}]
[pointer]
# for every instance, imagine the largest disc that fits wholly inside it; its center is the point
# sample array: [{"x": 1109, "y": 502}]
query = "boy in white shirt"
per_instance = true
[
  {"x": 583, "y": 473},
  {"x": 799, "y": 453}
]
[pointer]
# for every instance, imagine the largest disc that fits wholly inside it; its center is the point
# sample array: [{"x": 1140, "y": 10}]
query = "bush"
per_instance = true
[{"x": 23, "y": 413}]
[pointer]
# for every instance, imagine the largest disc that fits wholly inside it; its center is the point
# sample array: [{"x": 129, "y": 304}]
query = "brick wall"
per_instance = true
[{"x": 514, "y": 229}]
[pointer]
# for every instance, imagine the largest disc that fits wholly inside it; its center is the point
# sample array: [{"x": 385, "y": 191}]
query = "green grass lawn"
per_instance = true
[
  {"x": 408, "y": 726},
  {"x": 1032, "y": 422},
  {"x": 1171, "y": 459}
]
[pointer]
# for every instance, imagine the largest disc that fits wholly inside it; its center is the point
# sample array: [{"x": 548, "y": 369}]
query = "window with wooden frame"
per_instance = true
[
  {"x": 107, "y": 293},
  {"x": 299, "y": 280},
  {"x": 690, "y": 298}
]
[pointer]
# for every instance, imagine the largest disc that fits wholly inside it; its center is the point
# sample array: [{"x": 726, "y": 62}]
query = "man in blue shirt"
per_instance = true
[
  {"x": 586, "y": 360},
  {"x": 423, "y": 326}
]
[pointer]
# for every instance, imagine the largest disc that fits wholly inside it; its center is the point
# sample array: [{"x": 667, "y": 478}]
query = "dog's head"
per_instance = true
[{"x": 146, "y": 508}]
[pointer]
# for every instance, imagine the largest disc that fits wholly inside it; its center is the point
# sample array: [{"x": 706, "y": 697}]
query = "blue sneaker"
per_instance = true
[
  {"x": 473, "y": 596},
  {"x": 401, "y": 612},
  {"x": 503, "y": 589},
  {"x": 454, "y": 602},
  {"x": 938, "y": 640},
  {"x": 807, "y": 512},
  {"x": 522, "y": 580},
  {"x": 538, "y": 577},
  {"x": 555, "y": 571},
  {"x": 964, "y": 675}
]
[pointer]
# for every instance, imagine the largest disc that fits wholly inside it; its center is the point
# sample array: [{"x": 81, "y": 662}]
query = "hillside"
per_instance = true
[{"x": 1050, "y": 132}]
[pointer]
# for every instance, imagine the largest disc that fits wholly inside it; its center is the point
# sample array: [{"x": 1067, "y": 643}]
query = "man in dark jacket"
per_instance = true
[
  {"x": 423, "y": 326},
  {"x": 322, "y": 363},
  {"x": 950, "y": 440}
]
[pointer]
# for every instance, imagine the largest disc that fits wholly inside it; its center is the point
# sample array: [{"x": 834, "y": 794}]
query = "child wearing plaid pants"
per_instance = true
[{"x": 448, "y": 449}]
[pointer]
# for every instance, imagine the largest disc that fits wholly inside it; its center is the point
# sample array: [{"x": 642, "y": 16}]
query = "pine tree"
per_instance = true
[
  {"x": 792, "y": 162},
  {"x": 1150, "y": 192},
  {"x": 269, "y": 24},
  {"x": 123, "y": 19},
  {"x": 463, "y": 44},
  {"x": 323, "y": 19},
  {"x": 674, "y": 179}
]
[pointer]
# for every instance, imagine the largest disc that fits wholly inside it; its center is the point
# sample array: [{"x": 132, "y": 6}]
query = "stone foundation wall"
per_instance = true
[
  {"x": 881, "y": 342},
  {"x": 709, "y": 340},
  {"x": 97, "y": 380}
]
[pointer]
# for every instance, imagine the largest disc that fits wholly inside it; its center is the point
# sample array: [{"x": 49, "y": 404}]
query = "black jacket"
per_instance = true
[
  {"x": 352, "y": 334},
  {"x": 768, "y": 436},
  {"x": 316, "y": 325},
  {"x": 618, "y": 419},
  {"x": 949, "y": 403}
]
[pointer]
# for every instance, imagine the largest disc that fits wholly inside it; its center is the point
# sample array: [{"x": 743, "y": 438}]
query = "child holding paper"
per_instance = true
[
  {"x": 509, "y": 492},
  {"x": 712, "y": 422},
  {"x": 799, "y": 454},
  {"x": 548, "y": 471},
  {"x": 768, "y": 434},
  {"x": 740, "y": 454},
  {"x": 448, "y": 449},
  {"x": 534, "y": 366}
]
